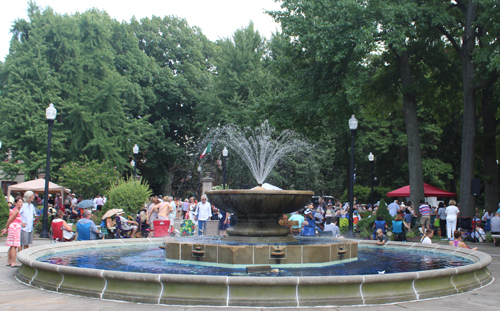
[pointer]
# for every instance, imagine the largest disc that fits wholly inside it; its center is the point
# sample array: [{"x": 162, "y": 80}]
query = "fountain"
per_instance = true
[
  {"x": 265, "y": 267},
  {"x": 257, "y": 239}
]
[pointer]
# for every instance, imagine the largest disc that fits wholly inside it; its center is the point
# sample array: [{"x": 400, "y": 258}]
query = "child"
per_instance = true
[
  {"x": 382, "y": 238},
  {"x": 427, "y": 239},
  {"x": 457, "y": 242}
]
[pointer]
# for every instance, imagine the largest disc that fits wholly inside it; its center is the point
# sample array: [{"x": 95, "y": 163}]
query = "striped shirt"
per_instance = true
[{"x": 424, "y": 209}]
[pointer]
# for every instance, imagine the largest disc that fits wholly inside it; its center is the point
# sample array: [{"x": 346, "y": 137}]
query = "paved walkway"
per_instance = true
[{"x": 17, "y": 296}]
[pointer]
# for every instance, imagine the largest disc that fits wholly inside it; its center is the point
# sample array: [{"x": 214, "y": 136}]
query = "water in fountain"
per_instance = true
[{"x": 260, "y": 148}]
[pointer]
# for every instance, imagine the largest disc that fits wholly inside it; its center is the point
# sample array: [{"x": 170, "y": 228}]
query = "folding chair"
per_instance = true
[
  {"x": 83, "y": 231},
  {"x": 293, "y": 230},
  {"x": 161, "y": 228},
  {"x": 58, "y": 232},
  {"x": 120, "y": 232}
]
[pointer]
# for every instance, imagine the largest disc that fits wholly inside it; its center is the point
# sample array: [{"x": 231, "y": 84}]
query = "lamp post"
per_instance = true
[
  {"x": 353, "y": 125},
  {"x": 224, "y": 156},
  {"x": 199, "y": 173},
  {"x": 371, "y": 158},
  {"x": 136, "y": 151},
  {"x": 50, "y": 113}
]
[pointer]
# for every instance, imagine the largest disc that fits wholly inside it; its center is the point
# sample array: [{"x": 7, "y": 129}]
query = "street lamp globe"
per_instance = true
[
  {"x": 371, "y": 157},
  {"x": 51, "y": 112},
  {"x": 353, "y": 123},
  {"x": 224, "y": 152},
  {"x": 135, "y": 149}
]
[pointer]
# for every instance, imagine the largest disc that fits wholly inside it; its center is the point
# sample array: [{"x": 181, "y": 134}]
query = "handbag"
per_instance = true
[{"x": 436, "y": 222}]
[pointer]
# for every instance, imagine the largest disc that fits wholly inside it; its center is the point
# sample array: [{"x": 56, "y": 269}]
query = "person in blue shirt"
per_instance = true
[
  {"x": 296, "y": 216},
  {"x": 94, "y": 232},
  {"x": 399, "y": 228},
  {"x": 308, "y": 228},
  {"x": 379, "y": 224}
]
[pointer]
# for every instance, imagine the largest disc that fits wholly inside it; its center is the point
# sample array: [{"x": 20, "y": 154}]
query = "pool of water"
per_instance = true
[{"x": 150, "y": 259}]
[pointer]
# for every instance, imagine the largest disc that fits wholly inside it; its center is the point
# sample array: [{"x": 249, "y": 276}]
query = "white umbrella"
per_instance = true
[{"x": 111, "y": 213}]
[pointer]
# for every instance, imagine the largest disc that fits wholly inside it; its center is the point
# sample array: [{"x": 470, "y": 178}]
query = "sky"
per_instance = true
[{"x": 216, "y": 18}]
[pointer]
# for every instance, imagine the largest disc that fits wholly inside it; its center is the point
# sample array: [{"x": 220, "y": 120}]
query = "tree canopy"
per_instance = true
[{"x": 420, "y": 76}]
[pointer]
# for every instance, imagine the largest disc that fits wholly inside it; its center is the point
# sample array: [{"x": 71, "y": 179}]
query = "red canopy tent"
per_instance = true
[{"x": 429, "y": 191}]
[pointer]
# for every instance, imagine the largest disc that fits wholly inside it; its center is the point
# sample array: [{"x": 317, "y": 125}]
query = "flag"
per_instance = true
[{"x": 207, "y": 150}]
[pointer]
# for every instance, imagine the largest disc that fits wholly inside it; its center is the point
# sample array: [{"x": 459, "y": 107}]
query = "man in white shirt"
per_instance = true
[
  {"x": 331, "y": 225},
  {"x": 393, "y": 208},
  {"x": 27, "y": 213},
  {"x": 203, "y": 213}
]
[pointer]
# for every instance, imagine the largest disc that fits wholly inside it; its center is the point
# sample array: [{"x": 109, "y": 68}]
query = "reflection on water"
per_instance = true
[{"x": 150, "y": 259}]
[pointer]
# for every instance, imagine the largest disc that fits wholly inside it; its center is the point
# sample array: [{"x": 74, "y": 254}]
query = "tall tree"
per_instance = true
[
  {"x": 183, "y": 56},
  {"x": 242, "y": 81},
  {"x": 68, "y": 60},
  {"x": 458, "y": 22}
]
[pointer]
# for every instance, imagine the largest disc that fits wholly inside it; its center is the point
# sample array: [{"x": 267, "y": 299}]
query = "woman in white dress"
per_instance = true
[{"x": 451, "y": 218}]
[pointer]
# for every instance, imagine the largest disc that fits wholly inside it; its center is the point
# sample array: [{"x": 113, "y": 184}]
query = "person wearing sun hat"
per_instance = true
[
  {"x": 127, "y": 224},
  {"x": 308, "y": 226}
]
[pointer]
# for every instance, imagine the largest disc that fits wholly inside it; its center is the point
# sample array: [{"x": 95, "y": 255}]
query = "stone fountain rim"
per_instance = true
[{"x": 214, "y": 290}]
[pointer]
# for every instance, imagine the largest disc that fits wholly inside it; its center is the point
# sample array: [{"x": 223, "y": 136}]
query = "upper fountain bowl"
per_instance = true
[
  {"x": 258, "y": 210},
  {"x": 263, "y": 202}
]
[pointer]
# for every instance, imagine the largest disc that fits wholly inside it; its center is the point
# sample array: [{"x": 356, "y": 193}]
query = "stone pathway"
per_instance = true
[{"x": 17, "y": 296}]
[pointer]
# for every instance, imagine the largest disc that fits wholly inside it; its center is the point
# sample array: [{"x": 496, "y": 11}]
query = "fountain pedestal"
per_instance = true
[{"x": 252, "y": 251}]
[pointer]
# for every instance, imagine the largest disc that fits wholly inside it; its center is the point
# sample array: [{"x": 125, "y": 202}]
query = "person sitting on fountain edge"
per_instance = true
[
  {"x": 297, "y": 216},
  {"x": 308, "y": 226},
  {"x": 331, "y": 225},
  {"x": 381, "y": 237}
]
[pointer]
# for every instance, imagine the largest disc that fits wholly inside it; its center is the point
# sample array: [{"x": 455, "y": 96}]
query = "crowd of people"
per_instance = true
[
  {"x": 177, "y": 210},
  {"x": 312, "y": 220}
]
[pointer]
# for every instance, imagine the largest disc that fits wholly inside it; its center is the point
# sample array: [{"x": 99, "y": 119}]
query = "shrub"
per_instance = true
[
  {"x": 365, "y": 225},
  {"x": 88, "y": 178},
  {"x": 488, "y": 237},
  {"x": 363, "y": 194},
  {"x": 4, "y": 213},
  {"x": 384, "y": 212},
  {"x": 343, "y": 225},
  {"x": 128, "y": 195}
]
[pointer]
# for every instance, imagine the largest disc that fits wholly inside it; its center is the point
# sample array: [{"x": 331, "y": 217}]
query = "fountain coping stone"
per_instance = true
[{"x": 204, "y": 290}]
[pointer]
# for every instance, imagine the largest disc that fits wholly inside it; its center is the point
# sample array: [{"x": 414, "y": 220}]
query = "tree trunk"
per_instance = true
[
  {"x": 413, "y": 138},
  {"x": 467, "y": 205},
  {"x": 490, "y": 153},
  {"x": 167, "y": 187}
]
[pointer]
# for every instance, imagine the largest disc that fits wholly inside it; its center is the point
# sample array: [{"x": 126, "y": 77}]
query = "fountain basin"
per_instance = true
[{"x": 206, "y": 290}]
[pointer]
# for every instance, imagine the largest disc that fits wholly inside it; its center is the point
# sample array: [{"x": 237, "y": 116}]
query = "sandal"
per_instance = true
[
  {"x": 16, "y": 265},
  {"x": 8, "y": 264}
]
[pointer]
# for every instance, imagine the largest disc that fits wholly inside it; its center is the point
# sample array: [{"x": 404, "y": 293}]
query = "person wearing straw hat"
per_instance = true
[{"x": 127, "y": 224}]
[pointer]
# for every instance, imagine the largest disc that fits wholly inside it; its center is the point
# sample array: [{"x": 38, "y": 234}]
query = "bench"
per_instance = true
[{"x": 494, "y": 238}]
